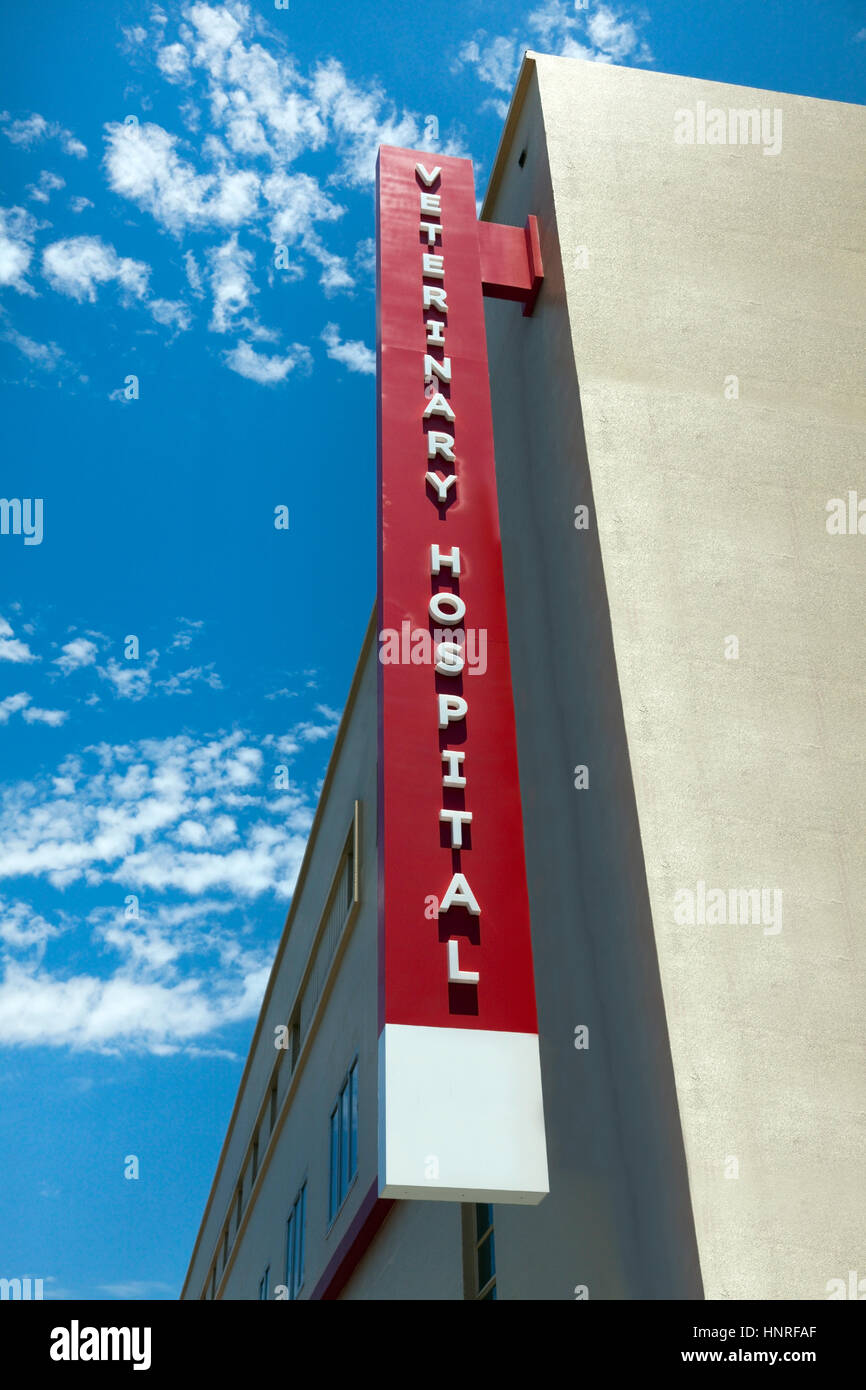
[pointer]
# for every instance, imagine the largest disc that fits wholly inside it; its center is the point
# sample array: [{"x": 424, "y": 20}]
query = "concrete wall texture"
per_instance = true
[{"x": 693, "y": 375}]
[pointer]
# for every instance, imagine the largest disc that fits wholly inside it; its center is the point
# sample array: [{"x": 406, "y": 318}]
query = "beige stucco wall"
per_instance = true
[{"x": 702, "y": 263}]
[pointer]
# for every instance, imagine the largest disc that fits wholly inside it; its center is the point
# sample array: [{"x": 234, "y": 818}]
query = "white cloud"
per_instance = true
[
  {"x": 361, "y": 121},
  {"x": 181, "y": 682},
  {"x": 48, "y": 183},
  {"x": 10, "y": 647},
  {"x": 13, "y": 704},
  {"x": 17, "y": 231},
  {"x": 602, "y": 35},
  {"x": 22, "y": 928},
  {"x": 311, "y": 731},
  {"x": 232, "y": 284},
  {"x": 173, "y": 313},
  {"x": 27, "y": 131},
  {"x": 53, "y": 717},
  {"x": 296, "y": 202},
  {"x": 131, "y": 681},
  {"x": 495, "y": 60},
  {"x": 75, "y": 654},
  {"x": 173, "y": 62},
  {"x": 365, "y": 256},
  {"x": 186, "y": 632},
  {"x": 118, "y": 814},
  {"x": 266, "y": 113},
  {"x": 77, "y": 265},
  {"x": 86, "y": 1012},
  {"x": 614, "y": 36},
  {"x": 33, "y": 129},
  {"x": 78, "y": 204},
  {"x": 244, "y": 360},
  {"x": 20, "y": 704},
  {"x": 193, "y": 274},
  {"x": 335, "y": 273},
  {"x": 143, "y": 164},
  {"x": 44, "y": 355},
  {"x": 353, "y": 354}
]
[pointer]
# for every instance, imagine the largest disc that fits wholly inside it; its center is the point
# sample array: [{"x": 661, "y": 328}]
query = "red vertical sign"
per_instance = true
[{"x": 454, "y": 934}]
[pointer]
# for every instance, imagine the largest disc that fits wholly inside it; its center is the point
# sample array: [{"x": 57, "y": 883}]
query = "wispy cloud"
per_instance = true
[
  {"x": 33, "y": 129},
  {"x": 11, "y": 648},
  {"x": 600, "y": 35},
  {"x": 352, "y": 354},
  {"x": 17, "y": 233},
  {"x": 77, "y": 265},
  {"x": 31, "y": 714},
  {"x": 75, "y": 654},
  {"x": 267, "y": 371},
  {"x": 47, "y": 184},
  {"x": 191, "y": 816}
]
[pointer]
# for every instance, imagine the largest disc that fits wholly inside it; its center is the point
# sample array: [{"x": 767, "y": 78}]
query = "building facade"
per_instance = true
[{"x": 678, "y": 432}]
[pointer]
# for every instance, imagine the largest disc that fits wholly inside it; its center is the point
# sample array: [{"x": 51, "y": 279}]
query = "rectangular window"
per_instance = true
[
  {"x": 350, "y": 879},
  {"x": 295, "y": 1242},
  {"x": 334, "y": 1198},
  {"x": 344, "y": 1140},
  {"x": 353, "y": 1121},
  {"x": 213, "y": 1282},
  {"x": 345, "y": 1113},
  {"x": 263, "y": 1284}
]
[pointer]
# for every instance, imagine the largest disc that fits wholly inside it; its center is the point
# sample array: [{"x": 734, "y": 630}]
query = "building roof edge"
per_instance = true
[{"x": 527, "y": 67}]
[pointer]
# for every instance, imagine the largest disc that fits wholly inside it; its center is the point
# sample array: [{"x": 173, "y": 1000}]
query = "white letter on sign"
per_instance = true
[
  {"x": 438, "y": 442},
  {"x": 459, "y": 894},
  {"x": 452, "y": 616},
  {"x": 434, "y": 298},
  {"x": 456, "y": 976},
  {"x": 458, "y": 819},
  {"x": 442, "y": 369},
  {"x": 438, "y": 405},
  {"x": 451, "y": 709},
  {"x": 453, "y": 777},
  {"x": 449, "y": 659},
  {"x": 437, "y": 559},
  {"x": 441, "y": 484}
]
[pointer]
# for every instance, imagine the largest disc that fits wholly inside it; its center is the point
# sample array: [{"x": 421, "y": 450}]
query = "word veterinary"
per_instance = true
[
  {"x": 444, "y": 607},
  {"x": 731, "y": 127},
  {"x": 413, "y": 646},
  {"x": 22, "y": 516}
]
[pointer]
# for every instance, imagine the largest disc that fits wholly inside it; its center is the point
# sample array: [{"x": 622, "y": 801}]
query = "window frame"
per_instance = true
[
  {"x": 296, "y": 1233},
  {"x": 343, "y": 1135}
]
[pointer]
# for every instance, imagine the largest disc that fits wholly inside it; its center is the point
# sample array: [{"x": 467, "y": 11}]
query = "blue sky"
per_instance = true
[{"x": 186, "y": 335}]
